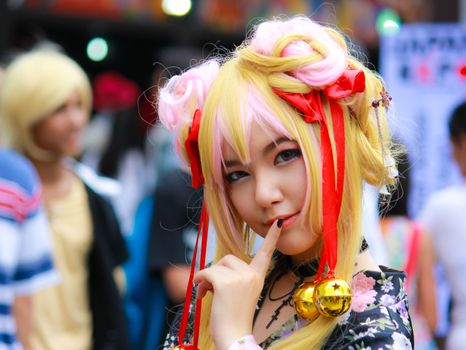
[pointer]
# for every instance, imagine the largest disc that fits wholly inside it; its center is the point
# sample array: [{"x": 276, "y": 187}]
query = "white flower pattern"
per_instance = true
[{"x": 400, "y": 342}]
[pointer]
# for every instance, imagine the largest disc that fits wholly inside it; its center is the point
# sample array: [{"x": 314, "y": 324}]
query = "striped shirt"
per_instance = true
[{"x": 25, "y": 246}]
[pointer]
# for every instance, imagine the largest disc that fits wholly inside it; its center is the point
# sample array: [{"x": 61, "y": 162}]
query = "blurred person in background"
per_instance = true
[
  {"x": 125, "y": 159},
  {"x": 411, "y": 250},
  {"x": 444, "y": 218},
  {"x": 44, "y": 105},
  {"x": 116, "y": 144},
  {"x": 26, "y": 264},
  {"x": 173, "y": 229},
  {"x": 161, "y": 243}
]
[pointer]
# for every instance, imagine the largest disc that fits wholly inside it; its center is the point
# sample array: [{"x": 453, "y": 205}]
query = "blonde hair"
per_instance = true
[
  {"x": 33, "y": 87},
  {"x": 242, "y": 92}
]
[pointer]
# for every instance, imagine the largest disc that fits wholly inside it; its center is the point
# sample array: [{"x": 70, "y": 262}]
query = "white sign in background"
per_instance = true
[{"x": 424, "y": 67}]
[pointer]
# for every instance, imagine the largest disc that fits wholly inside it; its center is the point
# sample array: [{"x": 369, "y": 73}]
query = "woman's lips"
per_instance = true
[{"x": 289, "y": 220}]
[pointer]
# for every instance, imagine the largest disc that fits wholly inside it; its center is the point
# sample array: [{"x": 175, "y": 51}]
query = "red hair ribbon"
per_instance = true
[
  {"x": 192, "y": 148},
  {"x": 204, "y": 228},
  {"x": 310, "y": 104}
]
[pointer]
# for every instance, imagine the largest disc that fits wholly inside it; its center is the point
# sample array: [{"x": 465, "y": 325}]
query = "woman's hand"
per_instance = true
[{"x": 236, "y": 287}]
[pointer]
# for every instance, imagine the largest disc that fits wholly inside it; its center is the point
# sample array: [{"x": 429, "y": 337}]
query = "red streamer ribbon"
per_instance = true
[
  {"x": 204, "y": 228},
  {"x": 310, "y": 104},
  {"x": 192, "y": 148}
]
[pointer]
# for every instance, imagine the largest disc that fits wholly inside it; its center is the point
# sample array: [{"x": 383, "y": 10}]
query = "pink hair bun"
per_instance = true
[
  {"x": 184, "y": 93},
  {"x": 318, "y": 74}
]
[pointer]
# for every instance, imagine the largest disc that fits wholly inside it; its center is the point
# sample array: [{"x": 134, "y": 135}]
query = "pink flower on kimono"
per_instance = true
[{"x": 363, "y": 292}]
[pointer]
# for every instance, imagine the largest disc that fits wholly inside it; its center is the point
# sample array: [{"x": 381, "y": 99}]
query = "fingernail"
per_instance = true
[{"x": 279, "y": 222}]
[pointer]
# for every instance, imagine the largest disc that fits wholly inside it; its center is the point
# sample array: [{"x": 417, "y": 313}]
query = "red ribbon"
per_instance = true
[
  {"x": 192, "y": 148},
  {"x": 310, "y": 104},
  {"x": 204, "y": 228}
]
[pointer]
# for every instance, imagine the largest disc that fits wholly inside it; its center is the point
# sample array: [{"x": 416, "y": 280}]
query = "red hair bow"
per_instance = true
[
  {"x": 310, "y": 105},
  {"x": 192, "y": 149},
  {"x": 191, "y": 145}
]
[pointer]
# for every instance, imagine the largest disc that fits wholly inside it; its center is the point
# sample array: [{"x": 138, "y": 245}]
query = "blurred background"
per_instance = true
[{"x": 130, "y": 35}]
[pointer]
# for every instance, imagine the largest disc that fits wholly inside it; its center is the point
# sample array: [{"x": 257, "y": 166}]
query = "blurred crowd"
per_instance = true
[{"x": 98, "y": 217}]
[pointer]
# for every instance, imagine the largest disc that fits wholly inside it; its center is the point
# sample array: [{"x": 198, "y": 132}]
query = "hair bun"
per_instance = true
[
  {"x": 315, "y": 39},
  {"x": 184, "y": 93}
]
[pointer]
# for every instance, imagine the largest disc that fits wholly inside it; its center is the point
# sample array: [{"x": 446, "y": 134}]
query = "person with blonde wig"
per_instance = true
[
  {"x": 45, "y": 102},
  {"x": 282, "y": 134}
]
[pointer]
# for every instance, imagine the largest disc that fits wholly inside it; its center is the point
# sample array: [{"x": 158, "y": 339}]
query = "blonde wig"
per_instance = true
[
  {"x": 34, "y": 86},
  {"x": 297, "y": 56}
]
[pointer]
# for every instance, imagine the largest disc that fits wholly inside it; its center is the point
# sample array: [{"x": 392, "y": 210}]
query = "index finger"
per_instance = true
[{"x": 262, "y": 259}]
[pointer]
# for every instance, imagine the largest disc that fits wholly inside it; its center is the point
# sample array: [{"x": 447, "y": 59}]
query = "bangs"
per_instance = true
[
  {"x": 233, "y": 122},
  {"x": 238, "y": 98}
]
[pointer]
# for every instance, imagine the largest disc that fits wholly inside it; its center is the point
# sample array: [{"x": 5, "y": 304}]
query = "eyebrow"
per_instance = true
[
  {"x": 267, "y": 149},
  {"x": 272, "y": 145}
]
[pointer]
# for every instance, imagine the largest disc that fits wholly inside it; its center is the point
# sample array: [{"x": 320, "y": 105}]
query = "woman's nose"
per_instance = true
[{"x": 268, "y": 191}]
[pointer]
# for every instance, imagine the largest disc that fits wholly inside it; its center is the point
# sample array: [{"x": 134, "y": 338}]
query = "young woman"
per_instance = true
[
  {"x": 45, "y": 103},
  {"x": 282, "y": 135}
]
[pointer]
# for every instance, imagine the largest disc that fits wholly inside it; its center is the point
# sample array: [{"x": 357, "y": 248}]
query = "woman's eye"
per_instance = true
[
  {"x": 235, "y": 176},
  {"x": 287, "y": 155}
]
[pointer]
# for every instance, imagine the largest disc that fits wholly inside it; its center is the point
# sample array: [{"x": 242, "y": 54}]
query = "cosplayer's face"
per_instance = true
[
  {"x": 60, "y": 132},
  {"x": 271, "y": 186}
]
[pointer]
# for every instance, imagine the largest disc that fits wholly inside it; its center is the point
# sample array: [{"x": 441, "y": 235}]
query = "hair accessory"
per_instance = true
[
  {"x": 177, "y": 100},
  {"x": 204, "y": 228},
  {"x": 383, "y": 101},
  {"x": 310, "y": 104},
  {"x": 192, "y": 148},
  {"x": 183, "y": 93},
  {"x": 389, "y": 162},
  {"x": 268, "y": 41}
]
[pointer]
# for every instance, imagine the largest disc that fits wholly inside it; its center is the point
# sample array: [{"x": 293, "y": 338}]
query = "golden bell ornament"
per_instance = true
[
  {"x": 177, "y": 348},
  {"x": 332, "y": 297},
  {"x": 303, "y": 299}
]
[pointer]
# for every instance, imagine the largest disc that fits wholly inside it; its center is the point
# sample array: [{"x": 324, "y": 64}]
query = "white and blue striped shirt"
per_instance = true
[{"x": 25, "y": 248}]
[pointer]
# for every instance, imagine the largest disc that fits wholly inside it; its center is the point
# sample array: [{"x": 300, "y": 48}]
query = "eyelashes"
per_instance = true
[
  {"x": 282, "y": 158},
  {"x": 287, "y": 155},
  {"x": 235, "y": 176}
]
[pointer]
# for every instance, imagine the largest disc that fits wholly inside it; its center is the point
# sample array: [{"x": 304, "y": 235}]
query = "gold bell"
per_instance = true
[
  {"x": 177, "y": 348},
  {"x": 303, "y": 299},
  {"x": 332, "y": 297}
]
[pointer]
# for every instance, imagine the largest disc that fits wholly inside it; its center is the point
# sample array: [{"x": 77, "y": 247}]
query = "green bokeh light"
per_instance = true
[
  {"x": 97, "y": 49},
  {"x": 388, "y": 22}
]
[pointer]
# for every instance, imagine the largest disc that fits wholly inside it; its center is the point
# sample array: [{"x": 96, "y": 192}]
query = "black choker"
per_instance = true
[{"x": 307, "y": 269}]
